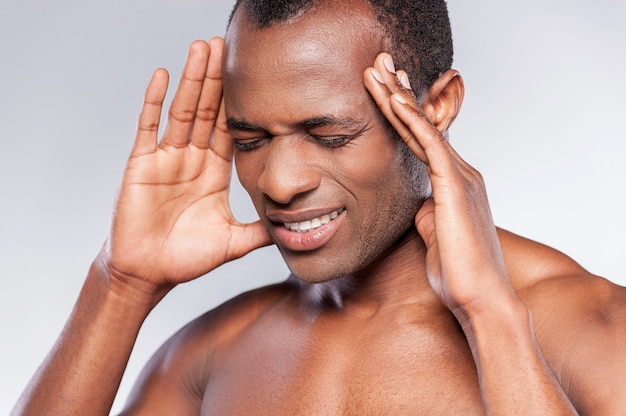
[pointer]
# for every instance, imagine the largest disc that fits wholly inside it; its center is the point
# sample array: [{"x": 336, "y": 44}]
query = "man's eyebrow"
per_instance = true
[
  {"x": 321, "y": 121},
  {"x": 330, "y": 120},
  {"x": 240, "y": 125}
]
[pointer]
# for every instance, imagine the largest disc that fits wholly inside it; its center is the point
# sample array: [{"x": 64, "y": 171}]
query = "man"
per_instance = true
[{"x": 404, "y": 299}]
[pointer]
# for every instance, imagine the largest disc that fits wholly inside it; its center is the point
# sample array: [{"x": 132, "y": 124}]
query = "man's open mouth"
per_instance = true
[{"x": 312, "y": 224}]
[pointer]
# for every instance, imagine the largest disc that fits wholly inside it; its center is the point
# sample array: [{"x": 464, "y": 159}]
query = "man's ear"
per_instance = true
[{"x": 443, "y": 100}]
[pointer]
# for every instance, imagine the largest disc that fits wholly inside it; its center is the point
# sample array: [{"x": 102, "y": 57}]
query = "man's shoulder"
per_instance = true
[
  {"x": 191, "y": 353},
  {"x": 232, "y": 317},
  {"x": 586, "y": 299},
  {"x": 200, "y": 339},
  {"x": 530, "y": 263},
  {"x": 579, "y": 320},
  {"x": 555, "y": 286},
  {"x": 580, "y": 323}
]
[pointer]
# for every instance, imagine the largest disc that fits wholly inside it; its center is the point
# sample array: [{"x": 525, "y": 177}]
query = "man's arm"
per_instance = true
[
  {"x": 172, "y": 223},
  {"x": 464, "y": 262},
  {"x": 580, "y": 322},
  {"x": 594, "y": 354},
  {"x": 82, "y": 372}
]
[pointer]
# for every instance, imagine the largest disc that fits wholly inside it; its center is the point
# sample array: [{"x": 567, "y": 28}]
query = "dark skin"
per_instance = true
[{"x": 432, "y": 312}]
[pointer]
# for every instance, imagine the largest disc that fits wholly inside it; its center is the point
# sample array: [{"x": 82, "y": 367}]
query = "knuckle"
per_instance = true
[
  {"x": 148, "y": 127},
  {"x": 213, "y": 77},
  {"x": 407, "y": 137},
  {"x": 182, "y": 115},
  {"x": 206, "y": 113}
]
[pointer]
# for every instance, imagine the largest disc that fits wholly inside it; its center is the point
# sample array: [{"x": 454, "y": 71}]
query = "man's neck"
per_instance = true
[{"x": 396, "y": 279}]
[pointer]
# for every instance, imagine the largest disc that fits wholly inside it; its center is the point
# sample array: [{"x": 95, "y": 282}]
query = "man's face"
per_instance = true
[{"x": 321, "y": 164}]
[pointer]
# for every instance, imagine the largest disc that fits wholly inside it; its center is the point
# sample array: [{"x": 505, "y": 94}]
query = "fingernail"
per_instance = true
[
  {"x": 388, "y": 61},
  {"x": 400, "y": 98},
  {"x": 376, "y": 75},
  {"x": 404, "y": 80}
]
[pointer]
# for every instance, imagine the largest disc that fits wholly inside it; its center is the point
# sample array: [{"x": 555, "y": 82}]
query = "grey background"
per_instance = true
[{"x": 542, "y": 120}]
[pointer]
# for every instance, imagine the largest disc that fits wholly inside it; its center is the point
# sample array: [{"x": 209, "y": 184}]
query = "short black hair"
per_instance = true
[{"x": 417, "y": 33}]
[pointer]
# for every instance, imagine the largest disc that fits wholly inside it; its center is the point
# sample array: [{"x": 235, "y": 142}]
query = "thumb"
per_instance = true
[
  {"x": 248, "y": 238},
  {"x": 425, "y": 223}
]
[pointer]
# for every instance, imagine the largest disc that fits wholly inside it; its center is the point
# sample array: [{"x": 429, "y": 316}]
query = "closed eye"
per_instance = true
[
  {"x": 333, "y": 141},
  {"x": 244, "y": 145}
]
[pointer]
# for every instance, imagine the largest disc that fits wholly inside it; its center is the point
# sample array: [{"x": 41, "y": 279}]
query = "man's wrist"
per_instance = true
[
  {"x": 132, "y": 295},
  {"x": 497, "y": 316}
]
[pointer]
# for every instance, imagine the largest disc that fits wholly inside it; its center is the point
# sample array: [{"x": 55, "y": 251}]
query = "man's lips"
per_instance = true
[{"x": 308, "y": 234}]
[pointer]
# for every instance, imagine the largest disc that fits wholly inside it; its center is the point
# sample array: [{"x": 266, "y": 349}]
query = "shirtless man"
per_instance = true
[{"x": 404, "y": 299}]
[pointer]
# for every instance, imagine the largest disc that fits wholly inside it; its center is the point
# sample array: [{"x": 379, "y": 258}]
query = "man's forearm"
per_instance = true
[
  {"x": 81, "y": 374},
  {"x": 514, "y": 377}
]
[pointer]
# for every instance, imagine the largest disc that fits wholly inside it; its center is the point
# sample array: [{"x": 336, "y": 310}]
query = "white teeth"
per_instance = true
[{"x": 314, "y": 223}]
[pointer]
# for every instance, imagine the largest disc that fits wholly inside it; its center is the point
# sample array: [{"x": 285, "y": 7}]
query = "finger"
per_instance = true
[
  {"x": 382, "y": 81},
  {"x": 425, "y": 223},
  {"x": 391, "y": 90},
  {"x": 425, "y": 138},
  {"x": 423, "y": 135},
  {"x": 251, "y": 237},
  {"x": 210, "y": 97},
  {"x": 394, "y": 81},
  {"x": 148, "y": 123},
  {"x": 185, "y": 103},
  {"x": 221, "y": 141}
]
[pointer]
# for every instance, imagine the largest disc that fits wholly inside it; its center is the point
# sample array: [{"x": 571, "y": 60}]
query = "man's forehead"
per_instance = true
[
  {"x": 318, "y": 41},
  {"x": 343, "y": 20},
  {"x": 280, "y": 76}
]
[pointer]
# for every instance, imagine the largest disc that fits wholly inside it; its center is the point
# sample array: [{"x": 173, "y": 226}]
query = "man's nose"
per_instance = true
[{"x": 290, "y": 169}]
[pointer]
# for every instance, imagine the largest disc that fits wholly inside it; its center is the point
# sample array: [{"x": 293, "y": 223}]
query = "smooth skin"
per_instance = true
[{"x": 439, "y": 324}]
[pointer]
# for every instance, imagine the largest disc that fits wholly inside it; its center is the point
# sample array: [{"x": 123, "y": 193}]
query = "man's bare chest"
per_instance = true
[
  {"x": 329, "y": 394},
  {"x": 304, "y": 373}
]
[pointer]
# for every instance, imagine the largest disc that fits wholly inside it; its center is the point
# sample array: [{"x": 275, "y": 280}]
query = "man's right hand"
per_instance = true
[{"x": 172, "y": 221}]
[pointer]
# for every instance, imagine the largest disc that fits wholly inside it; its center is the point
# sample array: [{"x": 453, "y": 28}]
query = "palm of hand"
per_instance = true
[
  {"x": 173, "y": 221},
  {"x": 173, "y": 218}
]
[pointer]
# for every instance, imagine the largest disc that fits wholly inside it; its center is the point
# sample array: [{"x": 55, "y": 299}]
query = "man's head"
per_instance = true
[
  {"x": 329, "y": 177},
  {"x": 416, "y": 33}
]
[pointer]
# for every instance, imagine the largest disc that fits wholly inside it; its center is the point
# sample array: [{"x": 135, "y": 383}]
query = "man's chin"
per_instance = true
[{"x": 314, "y": 276}]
